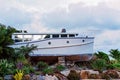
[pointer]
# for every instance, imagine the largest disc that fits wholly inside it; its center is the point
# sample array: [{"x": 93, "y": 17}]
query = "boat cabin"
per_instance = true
[{"x": 25, "y": 37}]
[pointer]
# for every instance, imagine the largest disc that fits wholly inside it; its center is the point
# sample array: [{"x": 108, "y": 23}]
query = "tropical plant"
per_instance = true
[
  {"x": 116, "y": 66},
  {"x": 23, "y": 51},
  {"x": 21, "y": 54},
  {"x": 48, "y": 70},
  {"x": 18, "y": 75},
  {"x": 110, "y": 66},
  {"x": 60, "y": 67},
  {"x": 102, "y": 55},
  {"x": 5, "y": 67},
  {"x": 42, "y": 65},
  {"x": 5, "y": 41},
  {"x": 115, "y": 54},
  {"x": 1, "y": 78},
  {"x": 28, "y": 69},
  {"x": 99, "y": 65}
]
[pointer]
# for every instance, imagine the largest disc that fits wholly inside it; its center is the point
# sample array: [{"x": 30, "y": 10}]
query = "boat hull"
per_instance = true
[
  {"x": 73, "y": 49},
  {"x": 54, "y": 59}
]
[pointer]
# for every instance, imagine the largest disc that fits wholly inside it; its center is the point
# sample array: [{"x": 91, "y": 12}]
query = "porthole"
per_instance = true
[
  {"x": 49, "y": 43},
  {"x": 67, "y": 42},
  {"x": 83, "y": 40}
]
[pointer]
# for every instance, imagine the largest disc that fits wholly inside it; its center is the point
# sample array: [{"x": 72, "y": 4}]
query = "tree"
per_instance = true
[
  {"x": 115, "y": 53},
  {"x": 99, "y": 64},
  {"x": 102, "y": 55},
  {"x": 5, "y": 41}
]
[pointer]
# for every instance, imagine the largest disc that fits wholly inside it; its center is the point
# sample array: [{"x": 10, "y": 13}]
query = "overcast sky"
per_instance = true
[{"x": 101, "y": 17}]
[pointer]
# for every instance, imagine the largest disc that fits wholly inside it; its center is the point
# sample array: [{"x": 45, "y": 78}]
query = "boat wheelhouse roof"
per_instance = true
[{"x": 42, "y": 33}]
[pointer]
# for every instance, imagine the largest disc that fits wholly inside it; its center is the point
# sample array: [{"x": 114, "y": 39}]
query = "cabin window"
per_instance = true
[
  {"x": 47, "y": 36},
  {"x": 71, "y": 35},
  {"x": 55, "y": 36},
  {"x": 64, "y": 35},
  {"x": 18, "y": 40}
]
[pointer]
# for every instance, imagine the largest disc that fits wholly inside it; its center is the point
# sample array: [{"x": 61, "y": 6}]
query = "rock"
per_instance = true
[
  {"x": 65, "y": 72},
  {"x": 34, "y": 77},
  {"x": 84, "y": 74},
  {"x": 93, "y": 72},
  {"x": 111, "y": 74},
  {"x": 73, "y": 75},
  {"x": 50, "y": 77},
  {"x": 94, "y": 76},
  {"x": 8, "y": 77},
  {"x": 54, "y": 77},
  {"x": 26, "y": 77},
  {"x": 60, "y": 76},
  {"x": 41, "y": 77}
]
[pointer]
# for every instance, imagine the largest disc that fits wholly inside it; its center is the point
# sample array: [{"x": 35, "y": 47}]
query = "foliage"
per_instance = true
[
  {"x": 18, "y": 75},
  {"x": 115, "y": 53},
  {"x": 31, "y": 69},
  {"x": 73, "y": 75},
  {"x": 23, "y": 51},
  {"x": 1, "y": 78},
  {"x": 60, "y": 67},
  {"x": 5, "y": 67},
  {"x": 28, "y": 69},
  {"x": 5, "y": 41},
  {"x": 102, "y": 55},
  {"x": 42, "y": 65},
  {"x": 116, "y": 66},
  {"x": 110, "y": 66},
  {"x": 99, "y": 65},
  {"x": 48, "y": 70}
]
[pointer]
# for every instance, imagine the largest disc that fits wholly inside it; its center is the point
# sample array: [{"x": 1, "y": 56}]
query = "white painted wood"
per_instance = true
[{"x": 58, "y": 46}]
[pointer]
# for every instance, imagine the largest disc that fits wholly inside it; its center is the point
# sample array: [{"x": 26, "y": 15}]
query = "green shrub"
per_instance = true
[
  {"x": 110, "y": 66},
  {"x": 117, "y": 66},
  {"x": 42, "y": 65},
  {"x": 102, "y": 55},
  {"x": 115, "y": 54},
  {"x": 32, "y": 70},
  {"x": 48, "y": 70},
  {"x": 1, "y": 78},
  {"x": 114, "y": 64},
  {"x": 60, "y": 67},
  {"x": 28, "y": 69},
  {"x": 73, "y": 75},
  {"x": 99, "y": 65},
  {"x": 6, "y": 67}
]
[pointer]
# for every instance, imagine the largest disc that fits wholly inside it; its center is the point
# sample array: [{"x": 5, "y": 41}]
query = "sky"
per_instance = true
[{"x": 98, "y": 18}]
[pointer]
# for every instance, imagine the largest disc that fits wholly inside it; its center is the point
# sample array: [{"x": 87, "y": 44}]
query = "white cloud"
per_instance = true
[
  {"x": 78, "y": 15},
  {"x": 115, "y": 4},
  {"x": 75, "y": 15},
  {"x": 108, "y": 39}
]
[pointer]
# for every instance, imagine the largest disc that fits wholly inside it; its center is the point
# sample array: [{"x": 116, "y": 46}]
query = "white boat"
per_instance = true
[{"x": 52, "y": 45}]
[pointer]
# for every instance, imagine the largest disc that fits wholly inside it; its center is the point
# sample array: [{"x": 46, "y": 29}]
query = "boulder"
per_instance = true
[{"x": 84, "y": 74}]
